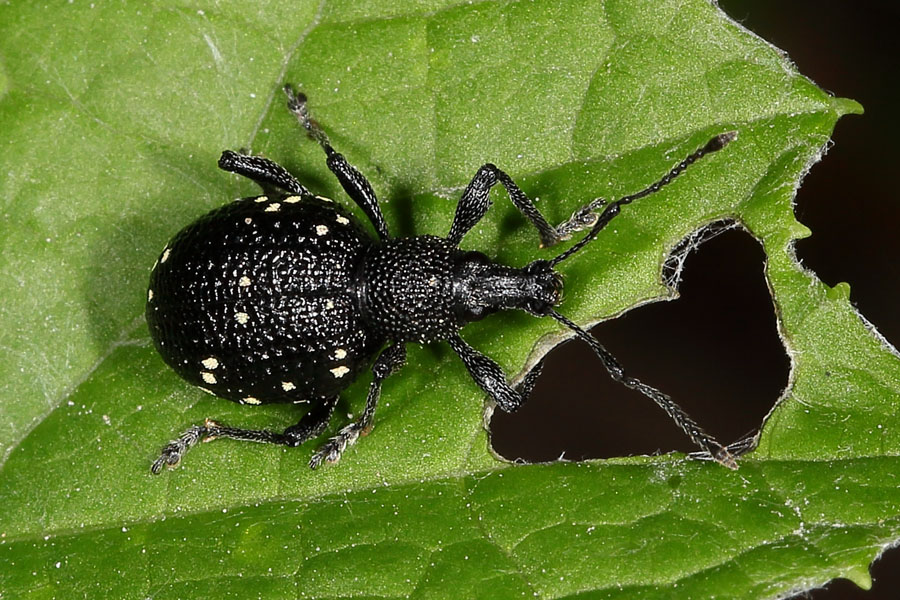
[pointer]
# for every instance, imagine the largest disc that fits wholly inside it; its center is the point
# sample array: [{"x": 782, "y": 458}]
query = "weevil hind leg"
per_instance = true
[
  {"x": 310, "y": 426},
  {"x": 172, "y": 453}
]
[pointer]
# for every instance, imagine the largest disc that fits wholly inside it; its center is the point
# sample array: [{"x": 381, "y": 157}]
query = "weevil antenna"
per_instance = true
[
  {"x": 710, "y": 446},
  {"x": 613, "y": 208}
]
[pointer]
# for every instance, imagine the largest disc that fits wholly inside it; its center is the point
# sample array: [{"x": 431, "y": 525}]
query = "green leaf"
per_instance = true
[{"x": 112, "y": 119}]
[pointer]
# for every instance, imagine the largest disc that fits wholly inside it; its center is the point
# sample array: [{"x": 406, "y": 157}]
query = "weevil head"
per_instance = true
[
  {"x": 544, "y": 289},
  {"x": 482, "y": 287}
]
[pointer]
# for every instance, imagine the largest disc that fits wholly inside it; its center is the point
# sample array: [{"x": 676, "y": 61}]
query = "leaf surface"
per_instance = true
[{"x": 113, "y": 118}]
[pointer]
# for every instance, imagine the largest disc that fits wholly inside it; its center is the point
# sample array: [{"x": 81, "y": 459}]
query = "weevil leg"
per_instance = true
[
  {"x": 490, "y": 377},
  {"x": 475, "y": 201},
  {"x": 270, "y": 176},
  {"x": 528, "y": 382},
  {"x": 387, "y": 363},
  {"x": 703, "y": 440},
  {"x": 171, "y": 454},
  {"x": 354, "y": 183},
  {"x": 311, "y": 425}
]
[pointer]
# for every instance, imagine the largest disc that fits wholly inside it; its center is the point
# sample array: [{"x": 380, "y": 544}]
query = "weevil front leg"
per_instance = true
[
  {"x": 490, "y": 377},
  {"x": 475, "y": 202}
]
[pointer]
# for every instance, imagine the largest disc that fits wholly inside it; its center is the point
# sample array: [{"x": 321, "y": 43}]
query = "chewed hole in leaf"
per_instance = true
[{"x": 715, "y": 350}]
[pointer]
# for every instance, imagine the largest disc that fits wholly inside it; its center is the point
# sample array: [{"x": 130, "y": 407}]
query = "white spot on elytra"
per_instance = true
[
  {"x": 288, "y": 386},
  {"x": 340, "y": 353},
  {"x": 149, "y": 295},
  {"x": 292, "y": 199},
  {"x": 244, "y": 281},
  {"x": 340, "y": 371},
  {"x": 208, "y": 377},
  {"x": 261, "y": 199},
  {"x": 251, "y": 400},
  {"x": 248, "y": 220},
  {"x": 321, "y": 230},
  {"x": 324, "y": 199},
  {"x": 208, "y": 391},
  {"x": 342, "y": 219},
  {"x": 165, "y": 255},
  {"x": 241, "y": 317},
  {"x": 210, "y": 363},
  {"x": 274, "y": 207},
  {"x": 329, "y": 305}
]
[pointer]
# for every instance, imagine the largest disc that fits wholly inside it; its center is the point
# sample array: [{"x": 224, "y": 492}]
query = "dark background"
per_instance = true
[{"x": 715, "y": 350}]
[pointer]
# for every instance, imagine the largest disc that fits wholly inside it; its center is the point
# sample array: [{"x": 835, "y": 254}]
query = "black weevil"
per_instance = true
[{"x": 286, "y": 298}]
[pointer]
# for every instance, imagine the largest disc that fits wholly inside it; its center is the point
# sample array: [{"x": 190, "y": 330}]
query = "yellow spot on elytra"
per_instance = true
[
  {"x": 261, "y": 199},
  {"x": 241, "y": 317},
  {"x": 210, "y": 363},
  {"x": 340, "y": 353},
  {"x": 165, "y": 255},
  {"x": 321, "y": 230},
  {"x": 292, "y": 199},
  {"x": 324, "y": 199},
  {"x": 329, "y": 305},
  {"x": 208, "y": 391},
  {"x": 244, "y": 281},
  {"x": 149, "y": 295},
  {"x": 251, "y": 400},
  {"x": 340, "y": 371},
  {"x": 208, "y": 377},
  {"x": 274, "y": 207},
  {"x": 342, "y": 219},
  {"x": 288, "y": 386}
]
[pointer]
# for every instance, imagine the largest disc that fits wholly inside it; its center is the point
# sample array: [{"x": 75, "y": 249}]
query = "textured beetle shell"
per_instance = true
[
  {"x": 255, "y": 301},
  {"x": 408, "y": 294}
]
